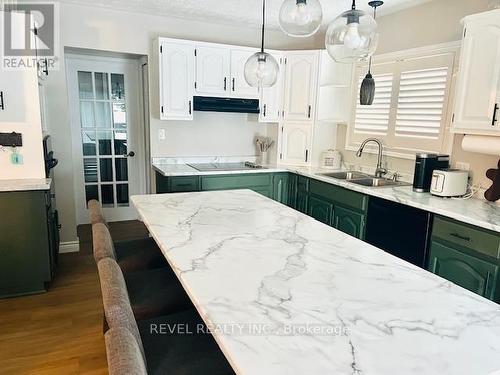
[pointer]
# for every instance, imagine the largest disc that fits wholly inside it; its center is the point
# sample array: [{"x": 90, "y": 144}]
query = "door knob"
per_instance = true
[{"x": 131, "y": 154}]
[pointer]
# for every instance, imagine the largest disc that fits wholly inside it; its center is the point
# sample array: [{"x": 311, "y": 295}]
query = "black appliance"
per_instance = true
[
  {"x": 400, "y": 230},
  {"x": 52, "y": 213},
  {"x": 425, "y": 164},
  {"x": 214, "y": 104}
]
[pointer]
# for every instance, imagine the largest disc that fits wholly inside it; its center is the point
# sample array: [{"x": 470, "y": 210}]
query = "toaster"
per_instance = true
[{"x": 449, "y": 182}]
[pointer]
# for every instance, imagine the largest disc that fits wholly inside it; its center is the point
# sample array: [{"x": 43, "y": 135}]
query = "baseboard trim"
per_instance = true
[{"x": 69, "y": 247}]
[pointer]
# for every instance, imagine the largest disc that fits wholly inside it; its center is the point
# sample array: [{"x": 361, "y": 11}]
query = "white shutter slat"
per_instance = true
[
  {"x": 421, "y": 103},
  {"x": 374, "y": 119}
]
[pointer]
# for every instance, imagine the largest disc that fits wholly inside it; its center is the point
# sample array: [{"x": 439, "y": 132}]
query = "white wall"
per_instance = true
[
  {"x": 122, "y": 32},
  {"x": 28, "y": 124}
]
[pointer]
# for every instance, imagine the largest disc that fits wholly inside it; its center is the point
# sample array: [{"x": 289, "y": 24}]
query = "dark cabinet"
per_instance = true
[
  {"x": 350, "y": 222},
  {"x": 281, "y": 188},
  {"x": 302, "y": 199},
  {"x": 469, "y": 272},
  {"x": 29, "y": 242},
  {"x": 466, "y": 255},
  {"x": 178, "y": 184},
  {"x": 320, "y": 209}
]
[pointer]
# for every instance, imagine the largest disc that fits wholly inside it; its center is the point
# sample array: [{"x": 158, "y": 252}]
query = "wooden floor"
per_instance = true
[{"x": 60, "y": 332}]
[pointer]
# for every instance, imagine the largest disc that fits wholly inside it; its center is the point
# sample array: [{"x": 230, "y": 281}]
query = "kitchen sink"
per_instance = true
[
  {"x": 349, "y": 175},
  {"x": 377, "y": 182}
]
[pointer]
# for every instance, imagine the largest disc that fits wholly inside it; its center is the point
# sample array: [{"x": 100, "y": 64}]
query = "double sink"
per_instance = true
[{"x": 363, "y": 179}]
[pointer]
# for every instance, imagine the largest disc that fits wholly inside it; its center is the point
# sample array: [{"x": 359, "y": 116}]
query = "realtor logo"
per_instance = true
[{"x": 30, "y": 34}]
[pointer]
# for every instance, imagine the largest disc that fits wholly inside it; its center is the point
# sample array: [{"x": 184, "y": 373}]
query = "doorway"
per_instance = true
[{"x": 107, "y": 133}]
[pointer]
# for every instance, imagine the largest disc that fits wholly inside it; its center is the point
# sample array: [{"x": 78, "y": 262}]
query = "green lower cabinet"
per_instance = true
[
  {"x": 350, "y": 222},
  {"x": 301, "y": 201},
  {"x": 281, "y": 188},
  {"x": 469, "y": 272},
  {"x": 292, "y": 190},
  {"x": 320, "y": 209},
  {"x": 177, "y": 184}
]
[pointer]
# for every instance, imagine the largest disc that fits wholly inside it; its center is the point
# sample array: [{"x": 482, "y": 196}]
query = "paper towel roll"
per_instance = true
[{"x": 489, "y": 145}]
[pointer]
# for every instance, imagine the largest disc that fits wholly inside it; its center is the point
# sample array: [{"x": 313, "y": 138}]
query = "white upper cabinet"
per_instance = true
[
  {"x": 334, "y": 90},
  {"x": 301, "y": 70},
  {"x": 272, "y": 97},
  {"x": 15, "y": 92},
  {"x": 177, "y": 80},
  {"x": 478, "y": 89},
  {"x": 213, "y": 70},
  {"x": 296, "y": 143},
  {"x": 239, "y": 86}
]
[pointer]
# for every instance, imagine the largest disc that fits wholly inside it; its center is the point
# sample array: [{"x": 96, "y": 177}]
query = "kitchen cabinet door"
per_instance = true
[
  {"x": 301, "y": 76},
  {"x": 320, "y": 209},
  {"x": 212, "y": 71},
  {"x": 17, "y": 87},
  {"x": 350, "y": 222},
  {"x": 239, "y": 86},
  {"x": 302, "y": 201},
  {"x": 296, "y": 144},
  {"x": 177, "y": 80},
  {"x": 271, "y": 100},
  {"x": 469, "y": 272},
  {"x": 281, "y": 188},
  {"x": 478, "y": 97}
]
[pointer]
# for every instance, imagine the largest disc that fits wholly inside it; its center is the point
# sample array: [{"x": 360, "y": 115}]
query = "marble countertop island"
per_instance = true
[{"x": 286, "y": 294}]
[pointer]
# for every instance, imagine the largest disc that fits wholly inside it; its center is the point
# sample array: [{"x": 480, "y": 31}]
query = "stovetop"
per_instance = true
[{"x": 210, "y": 167}]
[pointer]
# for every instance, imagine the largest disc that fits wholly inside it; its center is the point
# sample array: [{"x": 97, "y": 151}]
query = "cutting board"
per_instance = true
[{"x": 493, "y": 193}]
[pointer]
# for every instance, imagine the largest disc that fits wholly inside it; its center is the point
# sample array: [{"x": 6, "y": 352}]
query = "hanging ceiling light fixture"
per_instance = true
[
  {"x": 300, "y": 18},
  {"x": 367, "y": 90},
  {"x": 261, "y": 69},
  {"x": 352, "y": 36}
]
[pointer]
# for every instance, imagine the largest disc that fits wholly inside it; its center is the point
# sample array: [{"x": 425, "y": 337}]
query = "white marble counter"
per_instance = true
[
  {"x": 171, "y": 170},
  {"x": 25, "y": 185},
  {"x": 290, "y": 295},
  {"x": 472, "y": 211}
]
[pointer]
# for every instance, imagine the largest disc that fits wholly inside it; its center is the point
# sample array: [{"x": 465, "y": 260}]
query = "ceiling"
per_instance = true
[{"x": 235, "y": 12}]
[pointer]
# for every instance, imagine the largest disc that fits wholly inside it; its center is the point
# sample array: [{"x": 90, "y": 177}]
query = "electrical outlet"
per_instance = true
[
  {"x": 462, "y": 166},
  {"x": 162, "y": 134}
]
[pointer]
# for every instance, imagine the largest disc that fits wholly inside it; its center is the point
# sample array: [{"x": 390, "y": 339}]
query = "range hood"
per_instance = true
[{"x": 214, "y": 104}]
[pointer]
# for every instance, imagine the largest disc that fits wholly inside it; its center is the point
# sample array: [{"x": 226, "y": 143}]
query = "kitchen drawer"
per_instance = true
[
  {"x": 243, "y": 181},
  {"x": 481, "y": 241},
  {"x": 184, "y": 184},
  {"x": 348, "y": 198}
]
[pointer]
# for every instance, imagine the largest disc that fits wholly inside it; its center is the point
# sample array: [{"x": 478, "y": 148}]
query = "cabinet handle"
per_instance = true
[
  {"x": 234, "y": 83},
  {"x": 225, "y": 83},
  {"x": 46, "y": 70},
  {"x": 460, "y": 237},
  {"x": 190, "y": 107},
  {"x": 2, "y": 103},
  {"x": 495, "y": 110},
  {"x": 265, "y": 109},
  {"x": 309, "y": 112},
  {"x": 307, "y": 155}
]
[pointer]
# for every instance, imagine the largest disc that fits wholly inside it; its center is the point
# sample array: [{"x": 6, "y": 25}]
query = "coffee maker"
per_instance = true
[{"x": 425, "y": 164}]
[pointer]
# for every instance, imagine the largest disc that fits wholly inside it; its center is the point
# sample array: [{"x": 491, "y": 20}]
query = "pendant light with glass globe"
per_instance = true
[
  {"x": 300, "y": 18},
  {"x": 367, "y": 90},
  {"x": 352, "y": 36},
  {"x": 261, "y": 69}
]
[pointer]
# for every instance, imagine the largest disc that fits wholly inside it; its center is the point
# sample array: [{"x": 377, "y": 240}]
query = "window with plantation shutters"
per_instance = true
[
  {"x": 374, "y": 119},
  {"x": 410, "y": 112}
]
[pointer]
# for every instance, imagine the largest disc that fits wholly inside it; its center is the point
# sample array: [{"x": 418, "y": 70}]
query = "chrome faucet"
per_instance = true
[{"x": 380, "y": 171}]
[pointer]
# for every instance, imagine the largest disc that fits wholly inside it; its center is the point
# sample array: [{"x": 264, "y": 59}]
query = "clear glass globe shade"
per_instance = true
[
  {"x": 300, "y": 18},
  {"x": 261, "y": 70},
  {"x": 352, "y": 37}
]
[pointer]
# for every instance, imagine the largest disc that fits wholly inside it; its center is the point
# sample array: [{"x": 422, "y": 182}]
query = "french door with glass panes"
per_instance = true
[{"x": 108, "y": 150}]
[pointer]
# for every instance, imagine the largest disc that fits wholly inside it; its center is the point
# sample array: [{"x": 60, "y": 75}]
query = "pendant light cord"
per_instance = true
[
  {"x": 374, "y": 17},
  {"x": 263, "y": 24},
  {"x": 353, "y": 5}
]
